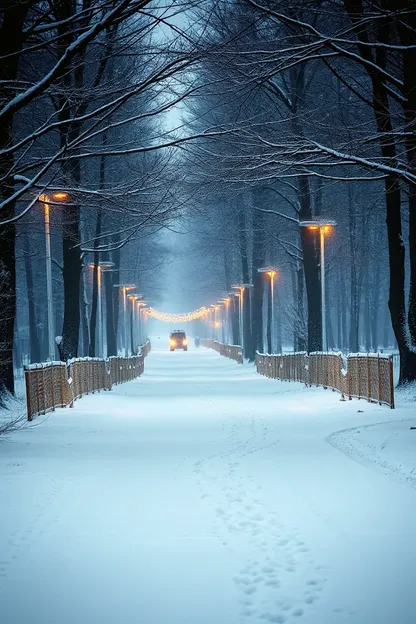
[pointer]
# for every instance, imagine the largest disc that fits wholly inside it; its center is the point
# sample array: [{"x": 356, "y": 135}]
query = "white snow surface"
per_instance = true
[{"x": 203, "y": 493}]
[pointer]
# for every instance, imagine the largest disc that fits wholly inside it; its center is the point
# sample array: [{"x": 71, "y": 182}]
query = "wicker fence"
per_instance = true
[
  {"x": 56, "y": 384},
  {"x": 363, "y": 376},
  {"x": 233, "y": 352}
]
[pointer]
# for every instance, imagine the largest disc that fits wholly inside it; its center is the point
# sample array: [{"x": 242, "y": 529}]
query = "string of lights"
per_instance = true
[{"x": 185, "y": 317}]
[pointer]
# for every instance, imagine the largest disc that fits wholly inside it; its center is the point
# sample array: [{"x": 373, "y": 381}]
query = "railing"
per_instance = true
[
  {"x": 56, "y": 384},
  {"x": 46, "y": 387},
  {"x": 87, "y": 375},
  {"x": 363, "y": 376},
  {"x": 233, "y": 352},
  {"x": 125, "y": 369}
]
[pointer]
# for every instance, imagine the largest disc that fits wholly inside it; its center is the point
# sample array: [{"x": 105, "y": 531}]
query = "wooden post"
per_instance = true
[
  {"x": 368, "y": 378},
  {"x": 379, "y": 378},
  {"x": 391, "y": 382},
  {"x": 28, "y": 395},
  {"x": 44, "y": 393},
  {"x": 53, "y": 386}
]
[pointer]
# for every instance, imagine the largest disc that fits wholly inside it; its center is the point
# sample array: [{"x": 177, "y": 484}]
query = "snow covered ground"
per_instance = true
[{"x": 203, "y": 493}]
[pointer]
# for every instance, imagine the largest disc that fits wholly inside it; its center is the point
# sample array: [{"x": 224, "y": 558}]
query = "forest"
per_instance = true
[{"x": 231, "y": 121}]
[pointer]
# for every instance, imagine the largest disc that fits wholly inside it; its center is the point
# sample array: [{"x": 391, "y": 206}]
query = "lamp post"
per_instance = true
[
  {"x": 124, "y": 289},
  {"x": 46, "y": 200},
  {"x": 272, "y": 274},
  {"x": 146, "y": 314},
  {"x": 140, "y": 304},
  {"x": 241, "y": 289},
  {"x": 324, "y": 228},
  {"x": 216, "y": 307},
  {"x": 101, "y": 266},
  {"x": 133, "y": 299},
  {"x": 226, "y": 301}
]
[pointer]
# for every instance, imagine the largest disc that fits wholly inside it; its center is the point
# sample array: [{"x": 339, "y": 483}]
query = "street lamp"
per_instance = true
[
  {"x": 146, "y": 313},
  {"x": 101, "y": 266},
  {"x": 140, "y": 304},
  {"x": 241, "y": 289},
  {"x": 133, "y": 299},
  {"x": 226, "y": 301},
  {"x": 125, "y": 288},
  {"x": 216, "y": 307},
  {"x": 325, "y": 228},
  {"x": 272, "y": 274},
  {"x": 47, "y": 200}
]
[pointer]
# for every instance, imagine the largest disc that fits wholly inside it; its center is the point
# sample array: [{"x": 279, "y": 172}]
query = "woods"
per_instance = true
[{"x": 233, "y": 121}]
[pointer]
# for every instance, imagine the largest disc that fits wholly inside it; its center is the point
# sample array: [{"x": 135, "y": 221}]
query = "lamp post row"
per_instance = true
[
  {"x": 60, "y": 197},
  {"x": 323, "y": 226}
]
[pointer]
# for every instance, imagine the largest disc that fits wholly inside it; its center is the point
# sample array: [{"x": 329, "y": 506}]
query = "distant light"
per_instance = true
[{"x": 60, "y": 196}]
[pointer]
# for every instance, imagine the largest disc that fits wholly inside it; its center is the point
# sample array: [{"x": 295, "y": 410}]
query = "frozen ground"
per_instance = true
[{"x": 205, "y": 494}]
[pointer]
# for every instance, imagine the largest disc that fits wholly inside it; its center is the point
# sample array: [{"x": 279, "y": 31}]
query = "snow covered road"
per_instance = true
[{"x": 203, "y": 493}]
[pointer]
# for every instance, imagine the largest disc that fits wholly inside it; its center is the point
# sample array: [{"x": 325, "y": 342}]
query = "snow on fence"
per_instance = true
[
  {"x": 58, "y": 384},
  {"x": 234, "y": 352},
  {"x": 363, "y": 376}
]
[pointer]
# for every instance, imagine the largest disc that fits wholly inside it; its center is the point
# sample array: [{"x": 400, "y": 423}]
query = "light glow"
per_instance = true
[
  {"x": 185, "y": 317},
  {"x": 60, "y": 196}
]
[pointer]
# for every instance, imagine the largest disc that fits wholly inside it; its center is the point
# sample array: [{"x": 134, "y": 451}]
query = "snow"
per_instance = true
[{"x": 203, "y": 493}]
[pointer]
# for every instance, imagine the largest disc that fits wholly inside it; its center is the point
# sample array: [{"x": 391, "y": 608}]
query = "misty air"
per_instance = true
[{"x": 207, "y": 312}]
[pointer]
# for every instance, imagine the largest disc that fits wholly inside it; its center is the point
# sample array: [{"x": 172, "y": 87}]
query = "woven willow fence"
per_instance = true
[
  {"x": 56, "y": 384},
  {"x": 363, "y": 376},
  {"x": 233, "y": 352}
]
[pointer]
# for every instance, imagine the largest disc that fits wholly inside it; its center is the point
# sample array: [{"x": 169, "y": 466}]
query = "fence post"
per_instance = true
[
  {"x": 391, "y": 382},
  {"x": 28, "y": 396},
  {"x": 379, "y": 378},
  {"x": 53, "y": 386},
  {"x": 368, "y": 378},
  {"x": 44, "y": 392}
]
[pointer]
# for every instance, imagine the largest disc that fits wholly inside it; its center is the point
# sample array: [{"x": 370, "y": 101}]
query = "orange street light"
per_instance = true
[
  {"x": 60, "y": 196},
  {"x": 101, "y": 266},
  {"x": 272, "y": 274},
  {"x": 124, "y": 289},
  {"x": 46, "y": 201},
  {"x": 325, "y": 228},
  {"x": 241, "y": 289}
]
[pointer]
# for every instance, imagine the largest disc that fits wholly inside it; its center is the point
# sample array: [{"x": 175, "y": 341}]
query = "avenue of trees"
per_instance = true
[
  {"x": 291, "y": 110},
  {"x": 319, "y": 101}
]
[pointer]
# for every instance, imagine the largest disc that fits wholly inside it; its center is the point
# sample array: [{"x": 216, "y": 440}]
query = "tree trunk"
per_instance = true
[
  {"x": 353, "y": 343},
  {"x": 109, "y": 307},
  {"x": 258, "y": 278},
  {"x": 94, "y": 300},
  {"x": 406, "y": 27},
  {"x": 310, "y": 247},
  {"x": 381, "y": 107},
  {"x": 247, "y": 347},
  {"x": 11, "y": 36},
  {"x": 302, "y": 333}
]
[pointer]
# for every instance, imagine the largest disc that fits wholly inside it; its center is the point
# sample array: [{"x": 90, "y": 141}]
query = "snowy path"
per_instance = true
[{"x": 204, "y": 494}]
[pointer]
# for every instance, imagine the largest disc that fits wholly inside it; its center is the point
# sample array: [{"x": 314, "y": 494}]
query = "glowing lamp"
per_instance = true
[{"x": 60, "y": 196}]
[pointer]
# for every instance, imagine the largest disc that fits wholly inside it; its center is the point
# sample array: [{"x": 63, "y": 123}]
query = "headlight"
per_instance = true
[
  {"x": 185, "y": 342},
  {"x": 172, "y": 343}
]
